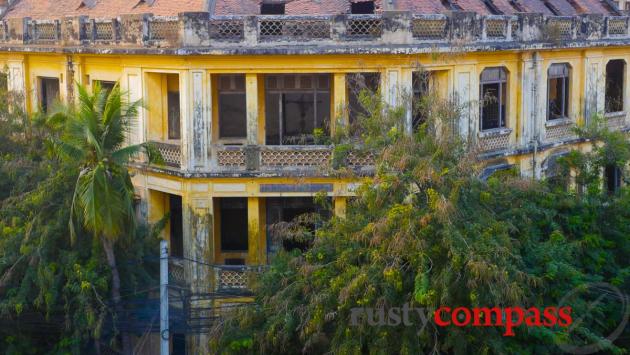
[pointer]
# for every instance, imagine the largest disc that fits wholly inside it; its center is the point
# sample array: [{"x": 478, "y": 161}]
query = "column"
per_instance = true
[
  {"x": 593, "y": 95},
  {"x": 198, "y": 246},
  {"x": 406, "y": 93},
  {"x": 340, "y": 205},
  {"x": 17, "y": 82},
  {"x": 186, "y": 119},
  {"x": 251, "y": 92},
  {"x": 339, "y": 102},
  {"x": 200, "y": 106},
  {"x": 256, "y": 242},
  {"x": 131, "y": 83}
]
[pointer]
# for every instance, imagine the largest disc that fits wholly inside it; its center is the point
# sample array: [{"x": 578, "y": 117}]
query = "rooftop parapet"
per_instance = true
[{"x": 390, "y": 30}]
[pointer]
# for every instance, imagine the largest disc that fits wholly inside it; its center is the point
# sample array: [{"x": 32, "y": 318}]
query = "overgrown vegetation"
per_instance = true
[
  {"x": 55, "y": 290},
  {"x": 426, "y": 231}
]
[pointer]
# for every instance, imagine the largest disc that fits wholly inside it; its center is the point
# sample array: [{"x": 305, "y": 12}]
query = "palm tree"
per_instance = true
[{"x": 94, "y": 138}]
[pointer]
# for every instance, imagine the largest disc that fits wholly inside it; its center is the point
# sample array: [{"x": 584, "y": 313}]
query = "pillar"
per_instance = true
[
  {"x": 198, "y": 246},
  {"x": 339, "y": 102},
  {"x": 406, "y": 93},
  {"x": 131, "y": 84},
  {"x": 251, "y": 93},
  {"x": 340, "y": 205},
  {"x": 186, "y": 120},
  {"x": 200, "y": 108},
  {"x": 256, "y": 242}
]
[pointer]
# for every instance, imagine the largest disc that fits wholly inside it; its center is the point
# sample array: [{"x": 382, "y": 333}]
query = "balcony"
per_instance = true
[
  {"x": 226, "y": 279},
  {"x": 296, "y": 158},
  {"x": 198, "y": 33},
  {"x": 171, "y": 153}
]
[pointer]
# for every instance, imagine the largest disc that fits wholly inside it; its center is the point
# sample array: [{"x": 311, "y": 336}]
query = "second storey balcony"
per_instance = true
[{"x": 270, "y": 123}]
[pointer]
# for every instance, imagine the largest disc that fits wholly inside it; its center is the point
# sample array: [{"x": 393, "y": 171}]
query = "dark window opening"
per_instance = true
[
  {"x": 271, "y": 9},
  {"x": 176, "y": 226},
  {"x": 4, "y": 81},
  {"x": 362, "y": 7},
  {"x": 615, "y": 74},
  {"x": 286, "y": 209},
  {"x": 558, "y": 91},
  {"x": 296, "y": 106},
  {"x": 179, "y": 344},
  {"x": 173, "y": 115},
  {"x": 361, "y": 86},
  {"x": 613, "y": 178},
  {"x": 421, "y": 82},
  {"x": 233, "y": 224},
  {"x": 49, "y": 93},
  {"x": 232, "y": 107},
  {"x": 106, "y": 85},
  {"x": 493, "y": 93}
]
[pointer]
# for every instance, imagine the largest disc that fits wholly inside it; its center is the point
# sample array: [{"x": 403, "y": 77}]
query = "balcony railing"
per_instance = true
[
  {"x": 273, "y": 158},
  {"x": 235, "y": 278},
  {"x": 171, "y": 153},
  {"x": 190, "y": 30}
]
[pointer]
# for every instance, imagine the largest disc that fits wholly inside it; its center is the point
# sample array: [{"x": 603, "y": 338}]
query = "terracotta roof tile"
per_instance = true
[{"x": 39, "y": 9}]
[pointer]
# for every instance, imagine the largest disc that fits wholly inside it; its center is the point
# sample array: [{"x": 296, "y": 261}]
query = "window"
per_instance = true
[
  {"x": 233, "y": 224},
  {"x": 48, "y": 92},
  {"x": 232, "y": 107},
  {"x": 295, "y": 106},
  {"x": 286, "y": 209},
  {"x": 613, "y": 178},
  {"x": 420, "y": 90},
  {"x": 176, "y": 227},
  {"x": 493, "y": 93},
  {"x": 4, "y": 81},
  {"x": 106, "y": 85},
  {"x": 271, "y": 9},
  {"x": 174, "y": 129},
  {"x": 362, "y": 7},
  {"x": 558, "y": 91},
  {"x": 615, "y": 74},
  {"x": 369, "y": 84}
]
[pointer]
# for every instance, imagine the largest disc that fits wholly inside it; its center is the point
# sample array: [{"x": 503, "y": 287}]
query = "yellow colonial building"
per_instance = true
[{"x": 237, "y": 94}]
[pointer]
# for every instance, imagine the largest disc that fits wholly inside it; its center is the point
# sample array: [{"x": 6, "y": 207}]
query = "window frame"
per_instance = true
[
  {"x": 40, "y": 96},
  {"x": 282, "y": 91},
  {"x": 566, "y": 91},
  {"x": 232, "y": 91},
  {"x": 503, "y": 82},
  {"x": 623, "y": 87}
]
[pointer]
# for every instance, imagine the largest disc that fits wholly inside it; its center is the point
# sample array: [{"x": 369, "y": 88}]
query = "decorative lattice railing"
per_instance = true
[
  {"x": 171, "y": 153},
  {"x": 235, "y": 277},
  {"x": 230, "y": 157},
  {"x": 391, "y": 29},
  {"x": 429, "y": 27},
  {"x": 226, "y": 29},
  {"x": 559, "y": 28},
  {"x": 164, "y": 28},
  {"x": 45, "y": 31},
  {"x": 294, "y": 28},
  {"x": 295, "y": 156},
  {"x": 617, "y": 26},
  {"x": 364, "y": 27}
]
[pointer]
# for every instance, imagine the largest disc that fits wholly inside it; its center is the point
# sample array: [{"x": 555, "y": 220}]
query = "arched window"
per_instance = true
[
  {"x": 615, "y": 74},
  {"x": 493, "y": 93},
  {"x": 558, "y": 81}
]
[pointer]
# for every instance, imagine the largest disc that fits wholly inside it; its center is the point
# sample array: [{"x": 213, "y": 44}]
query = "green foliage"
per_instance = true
[
  {"x": 426, "y": 231},
  {"x": 54, "y": 295}
]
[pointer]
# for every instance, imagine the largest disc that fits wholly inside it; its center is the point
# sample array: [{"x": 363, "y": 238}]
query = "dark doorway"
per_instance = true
[
  {"x": 176, "y": 226},
  {"x": 233, "y": 224},
  {"x": 362, "y": 7}
]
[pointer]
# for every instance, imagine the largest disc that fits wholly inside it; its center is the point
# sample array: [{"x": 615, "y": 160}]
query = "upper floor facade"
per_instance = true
[{"x": 251, "y": 94}]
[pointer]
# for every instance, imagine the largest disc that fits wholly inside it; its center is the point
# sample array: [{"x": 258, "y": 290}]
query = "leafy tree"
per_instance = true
[
  {"x": 54, "y": 291},
  {"x": 425, "y": 230},
  {"x": 94, "y": 136}
]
